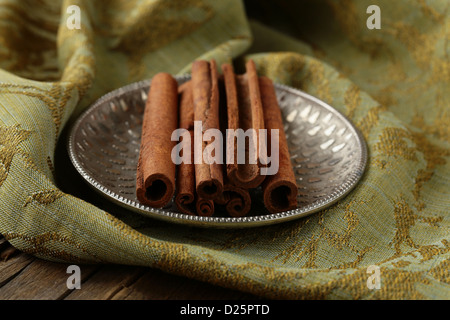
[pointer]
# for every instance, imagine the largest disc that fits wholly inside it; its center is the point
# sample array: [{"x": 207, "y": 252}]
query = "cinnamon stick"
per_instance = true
[
  {"x": 280, "y": 189},
  {"x": 155, "y": 180},
  {"x": 236, "y": 200},
  {"x": 204, "y": 207},
  {"x": 185, "y": 193},
  {"x": 244, "y": 111},
  {"x": 205, "y": 90}
]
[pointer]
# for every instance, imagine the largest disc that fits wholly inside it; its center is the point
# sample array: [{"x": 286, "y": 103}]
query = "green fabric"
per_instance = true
[{"x": 393, "y": 83}]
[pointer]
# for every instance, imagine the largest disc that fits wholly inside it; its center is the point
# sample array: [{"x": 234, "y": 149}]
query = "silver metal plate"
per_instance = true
[{"x": 328, "y": 155}]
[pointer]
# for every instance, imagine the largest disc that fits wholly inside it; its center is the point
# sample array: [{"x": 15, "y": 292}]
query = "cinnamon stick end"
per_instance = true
[
  {"x": 156, "y": 192},
  {"x": 205, "y": 207},
  {"x": 245, "y": 179},
  {"x": 280, "y": 196},
  {"x": 237, "y": 201},
  {"x": 209, "y": 189},
  {"x": 239, "y": 206},
  {"x": 184, "y": 201}
]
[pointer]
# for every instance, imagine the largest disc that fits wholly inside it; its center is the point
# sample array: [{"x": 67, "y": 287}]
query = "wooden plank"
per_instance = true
[
  {"x": 12, "y": 261},
  {"x": 153, "y": 285},
  {"x": 106, "y": 282},
  {"x": 197, "y": 290},
  {"x": 6, "y": 249},
  {"x": 41, "y": 280},
  {"x": 8, "y": 252},
  {"x": 12, "y": 267},
  {"x": 158, "y": 285}
]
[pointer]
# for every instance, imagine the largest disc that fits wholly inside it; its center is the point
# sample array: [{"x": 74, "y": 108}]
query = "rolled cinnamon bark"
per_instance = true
[
  {"x": 204, "y": 207},
  {"x": 279, "y": 190},
  {"x": 205, "y": 90},
  {"x": 155, "y": 180},
  {"x": 185, "y": 193},
  {"x": 244, "y": 111},
  {"x": 236, "y": 200}
]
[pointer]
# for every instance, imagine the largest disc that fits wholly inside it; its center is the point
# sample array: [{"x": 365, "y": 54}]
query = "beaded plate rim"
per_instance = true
[{"x": 220, "y": 222}]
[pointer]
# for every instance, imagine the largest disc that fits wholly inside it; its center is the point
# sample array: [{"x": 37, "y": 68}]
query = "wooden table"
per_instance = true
[{"x": 24, "y": 277}]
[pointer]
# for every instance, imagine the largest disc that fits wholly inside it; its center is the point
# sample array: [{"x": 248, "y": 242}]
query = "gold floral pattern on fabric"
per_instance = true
[
  {"x": 45, "y": 197},
  {"x": 37, "y": 22},
  {"x": 10, "y": 140}
]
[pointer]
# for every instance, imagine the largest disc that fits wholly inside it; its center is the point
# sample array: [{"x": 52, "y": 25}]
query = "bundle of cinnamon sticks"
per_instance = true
[{"x": 215, "y": 172}]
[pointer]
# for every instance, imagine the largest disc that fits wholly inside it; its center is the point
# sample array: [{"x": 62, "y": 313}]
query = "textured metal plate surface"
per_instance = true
[{"x": 328, "y": 155}]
